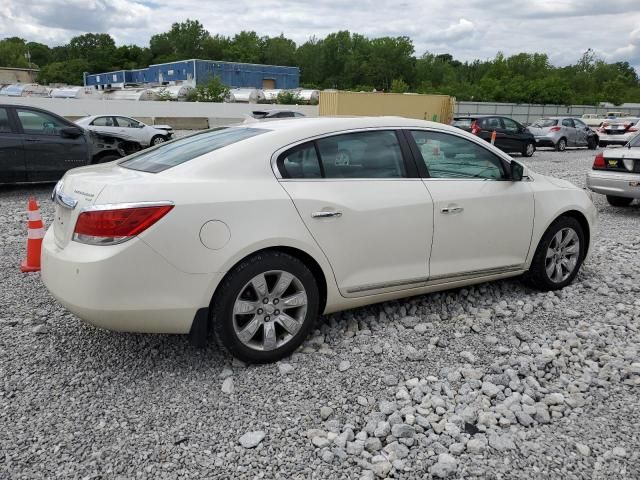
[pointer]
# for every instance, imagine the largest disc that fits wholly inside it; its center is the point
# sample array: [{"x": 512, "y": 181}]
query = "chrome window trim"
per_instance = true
[{"x": 274, "y": 156}]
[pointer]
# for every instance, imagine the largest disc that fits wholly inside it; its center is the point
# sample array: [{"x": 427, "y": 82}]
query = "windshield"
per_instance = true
[
  {"x": 545, "y": 122},
  {"x": 182, "y": 150}
]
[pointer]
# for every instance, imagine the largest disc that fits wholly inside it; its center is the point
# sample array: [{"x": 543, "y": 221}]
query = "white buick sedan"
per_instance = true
[{"x": 252, "y": 231}]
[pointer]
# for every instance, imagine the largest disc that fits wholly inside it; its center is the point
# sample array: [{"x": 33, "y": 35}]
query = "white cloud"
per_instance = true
[{"x": 563, "y": 29}]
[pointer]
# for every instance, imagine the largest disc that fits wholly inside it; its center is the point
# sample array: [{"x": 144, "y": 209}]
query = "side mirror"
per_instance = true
[
  {"x": 71, "y": 132},
  {"x": 517, "y": 171}
]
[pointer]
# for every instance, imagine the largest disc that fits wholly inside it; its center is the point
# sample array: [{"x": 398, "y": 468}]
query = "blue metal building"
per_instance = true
[{"x": 198, "y": 72}]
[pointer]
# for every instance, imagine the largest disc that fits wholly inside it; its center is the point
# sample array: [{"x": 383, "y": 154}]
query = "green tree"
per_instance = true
[
  {"x": 213, "y": 91},
  {"x": 399, "y": 86},
  {"x": 69, "y": 72},
  {"x": 246, "y": 47},
  {"x": 185, "y": 40},
  {"x": 278, "y": 51},
  {"x": 289, "y": 98}
]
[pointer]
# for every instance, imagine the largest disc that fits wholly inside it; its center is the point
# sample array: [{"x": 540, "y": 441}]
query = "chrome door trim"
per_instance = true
[{"x": 438, "y": 279}]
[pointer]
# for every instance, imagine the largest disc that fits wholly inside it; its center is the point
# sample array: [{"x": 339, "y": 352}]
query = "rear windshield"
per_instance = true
[
  {"x": 182, "y": 150},
  {"x": 462, "y": 122},
  {"x": 545, "y": 122}
]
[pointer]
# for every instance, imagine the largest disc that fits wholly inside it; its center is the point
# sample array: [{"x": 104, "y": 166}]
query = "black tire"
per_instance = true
[
  {"x": 157, "y": 140},
  {"x": 537, "y": 276},
  {"x": 592, "y": 143},
  {"x": 529, "y": 149},
  {"x": 619, "y": 201},
  {"x": 109, "y": 157},
  {"x": 602, "y": 144},
  {"x": 561, "y": 146},
  {"x": 222, "y": 314}
]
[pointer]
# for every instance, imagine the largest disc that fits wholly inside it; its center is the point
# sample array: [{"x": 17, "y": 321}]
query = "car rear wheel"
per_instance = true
[
  {"x": 528, "y": 150},
  {"x": 619, "y": 201},
  {"x": 561, "y": 146},
  {"x": 602, "y": 144},
  {"x": 559, "y": 255},
  {"x": 592, "y": 143},
  {"x": 265, "y": 307},
  {"x": 157, "y": 140}
]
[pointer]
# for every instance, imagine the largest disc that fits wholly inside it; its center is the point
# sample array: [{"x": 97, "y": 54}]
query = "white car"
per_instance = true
[
  {"x": 255, "y": 230},
  {"x": 127, "y": 129},
  {"x": 618, "y": 131}
]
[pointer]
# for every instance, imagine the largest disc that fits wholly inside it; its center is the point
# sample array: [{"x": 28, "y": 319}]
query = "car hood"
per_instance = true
[
  {"x": 558, "y": 182},
  {"x": 162, "y": 127}
]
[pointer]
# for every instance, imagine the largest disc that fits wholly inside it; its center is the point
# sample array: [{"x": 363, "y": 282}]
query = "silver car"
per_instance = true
[
  {"x": 616, "y": 173},
  {"x": 563, "y": 132}
]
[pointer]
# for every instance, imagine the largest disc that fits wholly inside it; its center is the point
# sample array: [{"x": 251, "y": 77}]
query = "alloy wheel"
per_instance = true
[
  {"x": 562, "y": 255},
  {"x": 269, "y": 310},
  {"x": 530, "y": 149}
]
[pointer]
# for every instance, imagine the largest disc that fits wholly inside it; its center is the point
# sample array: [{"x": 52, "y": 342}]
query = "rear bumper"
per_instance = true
[
  {"x": 545, "y": 142},
  {"x": 618, "y": 184},
  {"x": 126, "y": 287},
  {"x": 614, "y": 139}
]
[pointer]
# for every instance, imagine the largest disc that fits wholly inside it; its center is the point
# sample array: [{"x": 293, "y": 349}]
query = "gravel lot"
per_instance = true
[{"x": 494, "y": 381}]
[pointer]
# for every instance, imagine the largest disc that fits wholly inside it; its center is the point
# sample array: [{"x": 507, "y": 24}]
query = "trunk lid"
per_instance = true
[
  {"x": 622, "y": 159},
  {"x": 80, "y": 188}
]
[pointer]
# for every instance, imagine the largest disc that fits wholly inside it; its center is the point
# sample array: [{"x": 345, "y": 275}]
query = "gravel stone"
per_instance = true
[
  {"x": 227, "y": 386},
  {"x": 445, "y": 467},
  {"x": 252, "y": 439},
  {"x": 344, "y": 365}
]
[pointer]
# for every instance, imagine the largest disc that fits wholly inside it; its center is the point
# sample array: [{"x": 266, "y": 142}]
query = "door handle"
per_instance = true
[
  {"x": 326, "y": 214},
  {"x": 451, "y": 210}
]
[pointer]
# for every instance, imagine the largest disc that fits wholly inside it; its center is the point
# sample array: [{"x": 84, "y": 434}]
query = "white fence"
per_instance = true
[
  {"x": 216, "y": 113},
  {"x": 527, "y": 113}
]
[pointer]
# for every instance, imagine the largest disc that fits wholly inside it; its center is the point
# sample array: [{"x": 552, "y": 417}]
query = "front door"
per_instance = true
[
  {"x": 482, "y": 221},
  {"x": 365, "y": 207},
  {"x": 12, "y": 168},
  {"x": 47, "y": 154},
  {"x": 514, "y": 138}
]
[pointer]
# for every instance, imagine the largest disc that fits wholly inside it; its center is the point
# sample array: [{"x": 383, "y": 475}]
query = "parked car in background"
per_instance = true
[
  {"x": 618, "y": 131},
  {"x": 511, "y": 136},
  {"x": 616, "y": 173},
  {"x": 273, "y": 114},
  {"x": 173, "y": 240},
  {"x": 128, "y": 129},
  {"x": 40, "y": 146},
  {"x": 563, "y": 132},
  {"x": 593, "y": 120}
]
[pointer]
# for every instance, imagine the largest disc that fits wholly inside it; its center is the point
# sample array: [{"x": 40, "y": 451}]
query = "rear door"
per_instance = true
[
  {"x": 12, "y": 167},
  {"x": 569, "y": 131},
  {"x": 360, "y": 197},
  {"x": 130, "y": 129},
  {"x": 47, "y": 154}
]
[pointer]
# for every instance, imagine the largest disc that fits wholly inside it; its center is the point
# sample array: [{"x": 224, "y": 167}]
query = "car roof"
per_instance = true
[{"x": 322, "y": 125}]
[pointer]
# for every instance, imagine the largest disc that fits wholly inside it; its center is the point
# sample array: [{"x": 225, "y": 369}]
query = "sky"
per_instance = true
[{"x": 467, "y": 29}]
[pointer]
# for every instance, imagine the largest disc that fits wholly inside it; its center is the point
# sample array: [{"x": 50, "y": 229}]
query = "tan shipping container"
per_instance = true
[{"x": 438, "y": 108}]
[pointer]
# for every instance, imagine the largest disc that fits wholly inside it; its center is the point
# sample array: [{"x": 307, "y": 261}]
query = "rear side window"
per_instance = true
[
  {"x": 179, "y": 151},
  {"x": 5, "y": 126},
  {"x": 373, "y": 154}
]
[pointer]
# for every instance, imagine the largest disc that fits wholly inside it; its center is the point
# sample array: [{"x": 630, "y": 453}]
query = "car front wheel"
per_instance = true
[
  {"x": 619, "y": 201},
  {"x": 265, "y": 307},
  {"x": 559, "y": 255}
]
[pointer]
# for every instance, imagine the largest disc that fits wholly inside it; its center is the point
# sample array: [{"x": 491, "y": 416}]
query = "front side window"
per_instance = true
[
  {"x": 179, "y": 151},
  {"x": 127, "y": 122},
  {"x": 373, "y": 154},
  {"x": 579, "y": 123},
  {"x": 39, "y": 123},
  {"x": 300, "y": 162},
  {"x": 510, "y": 125},
  {"x": 450, "y": 156},
  {"x": 5, "y": 126},
  {"x": 103, "y": 122}
]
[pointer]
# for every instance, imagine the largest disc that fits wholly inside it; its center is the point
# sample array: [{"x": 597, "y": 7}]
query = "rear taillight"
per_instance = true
[
  {"x": 632, "y": 129},
  {"x": 554, "y": 129},
  {"x": 109, "y": 226},
  {"x": 475, "y": 129},
  {"x": 598, "y": 162}
]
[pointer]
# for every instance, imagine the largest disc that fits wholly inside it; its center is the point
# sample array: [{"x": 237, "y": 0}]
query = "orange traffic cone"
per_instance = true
[
  {"x": 493, "y": 137},
  {"x": 35, "y": 235}
]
